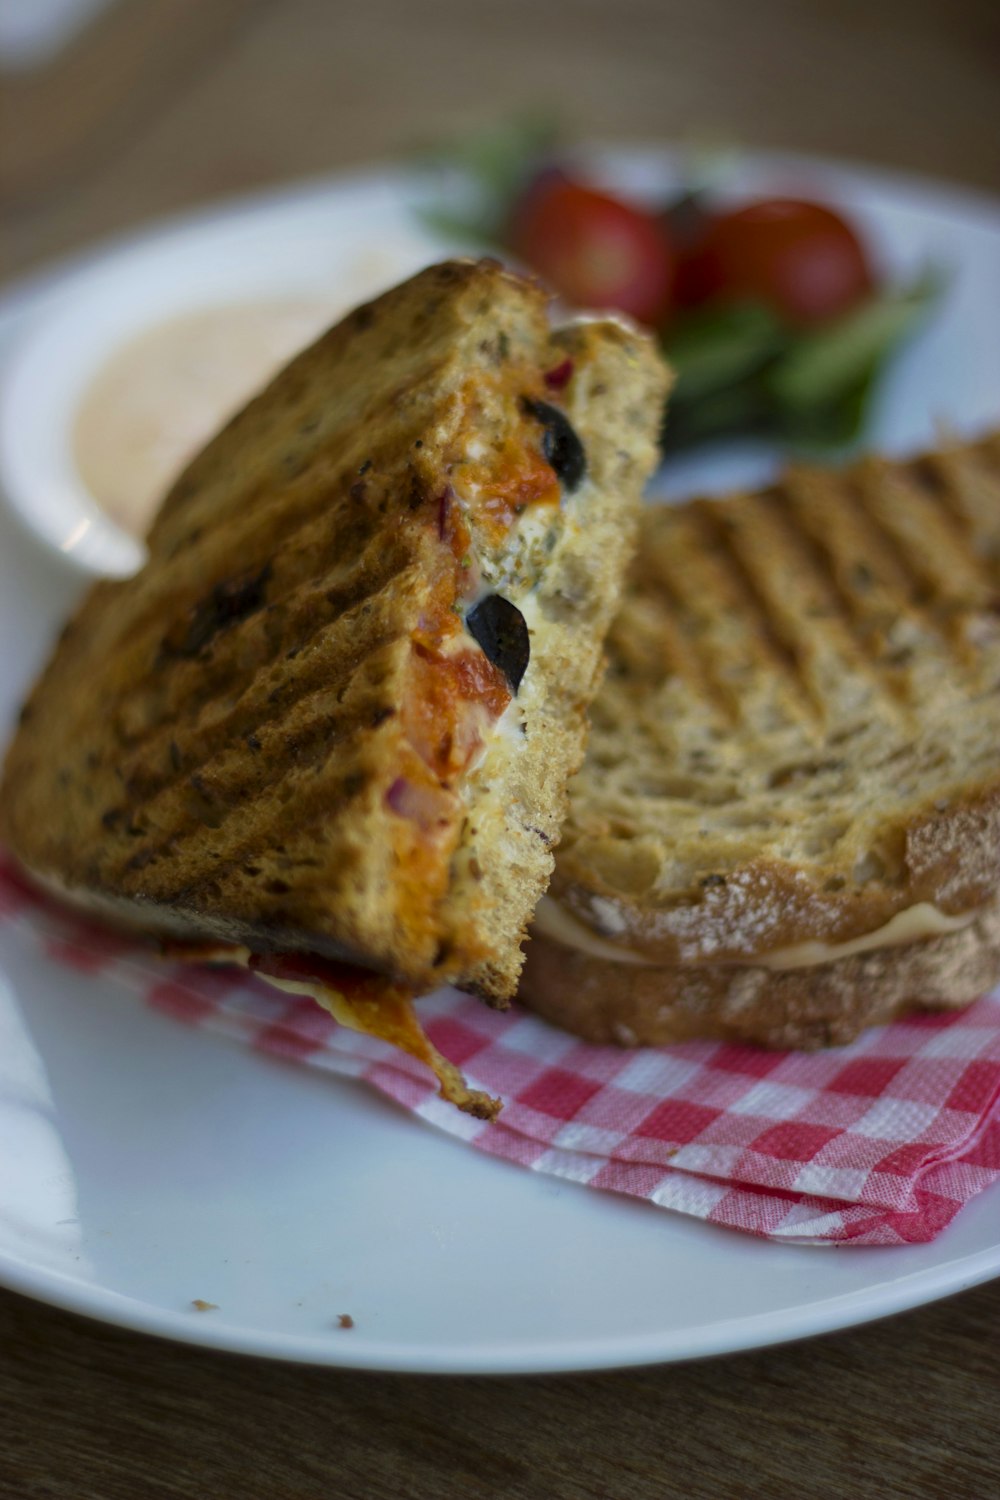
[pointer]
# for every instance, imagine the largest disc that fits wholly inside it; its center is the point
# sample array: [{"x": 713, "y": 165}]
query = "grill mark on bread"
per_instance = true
[
  {"x": 753, "y": 546},
  {"x": 217, "y": 794},
  {"x": 950, "y": 585},
  {"x": 834, "y": 608},
  {"x": 936, "y": 483},
  {"x": 325, "y": 679},
  {"x": 336, "y": 720},
  {"x": 249, "y": 663},
  {"x": 680, "y": 626},
  {"x": 966, "y": 614},
  {"x": 968, "y": 482},
  {"x": 171, "y": 688},
  {"x": 893, "y": 599},
  {"x": 859, "y": 582},
  {"x": 728, "y": 638},
  {"x": 752, "y": 606},
  {"x": 749, "y": 697},
  {"x": 945, "y": 576},
  {"x": 227, "y": 603}
]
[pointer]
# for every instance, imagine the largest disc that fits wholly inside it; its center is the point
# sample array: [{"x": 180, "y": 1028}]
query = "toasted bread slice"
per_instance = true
[
  {"x": 308, "y": 725},
  {"x": 787, "y": 825}
]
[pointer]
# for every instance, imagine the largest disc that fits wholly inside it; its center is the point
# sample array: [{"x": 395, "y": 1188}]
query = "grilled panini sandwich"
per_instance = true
[
  {"x": 787, "y": 826},
  {"x": 327, "y": 729}
]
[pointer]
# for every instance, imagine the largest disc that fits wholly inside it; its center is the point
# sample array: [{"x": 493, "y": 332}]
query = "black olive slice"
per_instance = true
[
  {"x": 560, "y": 444},
  {"x": 499, "y": 628},
  {"x": 230, "y": 601}
]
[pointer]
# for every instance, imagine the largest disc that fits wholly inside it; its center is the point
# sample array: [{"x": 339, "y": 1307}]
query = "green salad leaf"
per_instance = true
[
  {"x": 821, "y": 366},
  {"x": 740, "y": 370}
]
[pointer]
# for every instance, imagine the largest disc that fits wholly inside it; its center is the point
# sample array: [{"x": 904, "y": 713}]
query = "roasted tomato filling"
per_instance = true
[
  {"x": 456, "y": 695},
  {"x": 469, "y": 651}
]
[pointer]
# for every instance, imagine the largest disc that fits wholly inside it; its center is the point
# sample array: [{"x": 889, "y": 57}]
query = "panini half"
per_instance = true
[
  {"x": 331, "y": 721},
  {"x": 787, "y": 826}
]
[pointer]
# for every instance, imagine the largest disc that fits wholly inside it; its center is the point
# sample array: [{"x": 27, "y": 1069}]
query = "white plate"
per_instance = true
[{"x": 145, "y": 1165}]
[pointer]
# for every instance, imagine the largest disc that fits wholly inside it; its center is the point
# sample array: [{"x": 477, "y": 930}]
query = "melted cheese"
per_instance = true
[
  {"x": 554, "y": 921},
  {"x": 914, "y": 925},
  {"x": 385, "y": 1012}
]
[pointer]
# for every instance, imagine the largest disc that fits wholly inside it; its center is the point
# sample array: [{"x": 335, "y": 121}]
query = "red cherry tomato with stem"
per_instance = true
[
  {"x": 594, "y": 250},
  {"x": 800, "y": 259}
]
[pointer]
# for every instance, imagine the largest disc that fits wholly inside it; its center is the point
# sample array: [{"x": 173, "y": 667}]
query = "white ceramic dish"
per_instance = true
[
  {"x": 86, "y": 315},
  {"x": 146, "y": 1165}
]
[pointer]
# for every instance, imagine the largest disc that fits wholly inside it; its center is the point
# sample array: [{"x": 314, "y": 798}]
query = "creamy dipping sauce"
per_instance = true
[{"x": 162, "y": 395}]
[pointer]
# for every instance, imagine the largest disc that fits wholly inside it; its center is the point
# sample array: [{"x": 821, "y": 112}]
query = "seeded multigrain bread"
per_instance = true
[
  {"x": 336, "y": 712},
  {"x": 787, "y": 826}
]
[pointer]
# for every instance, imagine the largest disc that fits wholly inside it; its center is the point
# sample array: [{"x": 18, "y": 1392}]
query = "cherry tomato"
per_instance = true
[
  {"x": 801, "y": 259},
  {"x": 592, "y": 249}
]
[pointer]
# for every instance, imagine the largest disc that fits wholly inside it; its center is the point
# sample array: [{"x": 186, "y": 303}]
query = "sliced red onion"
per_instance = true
[
  {"x": 559, "y": 377},
  {"x": 426, "y": 806},
  {"x": 444, "y": 510}
]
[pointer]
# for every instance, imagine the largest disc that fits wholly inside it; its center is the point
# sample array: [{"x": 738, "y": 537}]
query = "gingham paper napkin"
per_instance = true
[{"x": 878, "y": 1143}]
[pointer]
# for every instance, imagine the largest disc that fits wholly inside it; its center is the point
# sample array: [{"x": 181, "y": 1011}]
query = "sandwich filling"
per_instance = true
[
  {"x": 916, "y": 924},
  {"x": 494, "y": 524},
  {"x": 356, "y": 998}
]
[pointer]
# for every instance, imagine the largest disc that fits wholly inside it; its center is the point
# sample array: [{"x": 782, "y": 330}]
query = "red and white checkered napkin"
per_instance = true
[{"x": 878, "y": 1143}]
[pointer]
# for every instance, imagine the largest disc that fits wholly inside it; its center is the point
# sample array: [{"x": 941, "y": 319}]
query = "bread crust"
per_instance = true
[
  {"x": 949, "y": 857},
  {"x": 825, "y": 1005}
]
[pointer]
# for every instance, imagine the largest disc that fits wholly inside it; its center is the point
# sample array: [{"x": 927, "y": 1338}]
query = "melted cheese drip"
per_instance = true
[
  {"x": 387, "y": 1014},
  {"x": 913, "y": 925},
  {"x": 554, "y": 921}
]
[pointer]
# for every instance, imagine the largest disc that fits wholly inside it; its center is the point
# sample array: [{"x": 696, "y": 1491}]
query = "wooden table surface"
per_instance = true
[{"x": 165, "y": 103}]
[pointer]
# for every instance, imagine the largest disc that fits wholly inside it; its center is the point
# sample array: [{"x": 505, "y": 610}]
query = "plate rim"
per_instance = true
[
  {"x": 756, "y": 1331},
  {"x": 27, "y": 284}
]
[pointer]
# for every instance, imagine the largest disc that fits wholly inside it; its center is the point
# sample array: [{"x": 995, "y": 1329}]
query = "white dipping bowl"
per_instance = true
[{"x": 306, "y": 243}]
